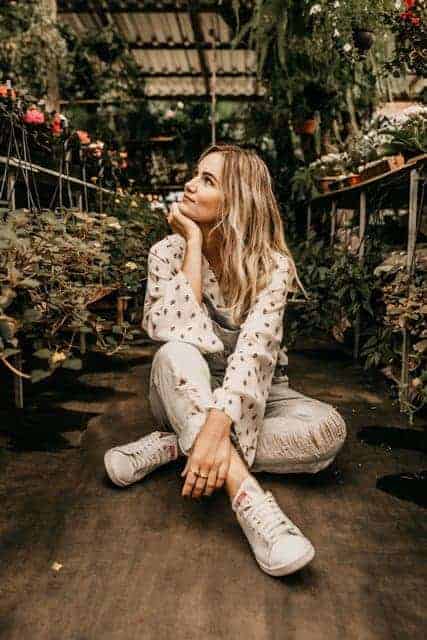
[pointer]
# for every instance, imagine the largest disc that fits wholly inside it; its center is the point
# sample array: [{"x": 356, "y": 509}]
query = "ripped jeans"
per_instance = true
[{"x": 299, "y": 434}]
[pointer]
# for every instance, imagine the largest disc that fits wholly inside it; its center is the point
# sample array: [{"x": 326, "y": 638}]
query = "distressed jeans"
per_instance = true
[{"x": 299, "y": 433}]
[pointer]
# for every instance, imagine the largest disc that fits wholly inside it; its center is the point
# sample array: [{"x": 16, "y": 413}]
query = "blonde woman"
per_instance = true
[{"x": 216, "y": 294}]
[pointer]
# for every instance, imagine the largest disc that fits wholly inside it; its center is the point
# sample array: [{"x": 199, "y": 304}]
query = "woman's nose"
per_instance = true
[{"x": 189, "y": 185}]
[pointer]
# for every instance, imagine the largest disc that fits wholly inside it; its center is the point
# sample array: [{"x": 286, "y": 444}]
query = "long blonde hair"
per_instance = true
[{"x": 251, "y": 229}]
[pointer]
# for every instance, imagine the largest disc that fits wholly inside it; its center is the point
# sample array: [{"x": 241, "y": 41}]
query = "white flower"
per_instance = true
[
  {"x": 336, "y": 33},
  {"x": 347, "y": 47},
  {"x": 336, "y": 4},
  {"x": 131, "y": 266},
  {"x": 316, "y": 8},
  {"x": 180, "y": 105},
  {"x": 114, "y": 225}
]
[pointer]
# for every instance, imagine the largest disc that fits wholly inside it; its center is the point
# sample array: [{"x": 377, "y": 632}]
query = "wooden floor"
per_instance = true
[{"x": 143, "y": 563}]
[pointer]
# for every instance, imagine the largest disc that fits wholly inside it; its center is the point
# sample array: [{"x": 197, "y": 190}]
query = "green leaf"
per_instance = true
[
  {"x": 39, "y": 374},
  {"x": 32, "y": 315},
  {"x": 43, "y": 354},
  {"x": 72, "y": 363},
  {"x": 29, "y": 283}
]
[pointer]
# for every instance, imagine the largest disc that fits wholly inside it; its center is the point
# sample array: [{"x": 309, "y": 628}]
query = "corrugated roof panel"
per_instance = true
[
  {"x": 170, "y": 28},
  {"x": 214, "y": 22}
]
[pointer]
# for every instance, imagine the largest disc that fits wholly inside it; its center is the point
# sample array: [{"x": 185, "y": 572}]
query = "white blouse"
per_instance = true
[{"x": 172, "y": 312}]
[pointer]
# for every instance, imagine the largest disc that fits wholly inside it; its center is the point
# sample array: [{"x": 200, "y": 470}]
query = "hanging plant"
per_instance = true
[
  {"x": 363, "y": 40},
  {"x": 108, "y": 45}
]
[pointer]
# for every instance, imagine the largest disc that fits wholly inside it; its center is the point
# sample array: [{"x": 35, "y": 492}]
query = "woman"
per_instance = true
[{"x": 216, "y": 295}]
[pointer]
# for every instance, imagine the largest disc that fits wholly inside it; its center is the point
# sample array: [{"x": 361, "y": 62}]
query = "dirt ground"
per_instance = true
[{"x": 84, "y": 560}]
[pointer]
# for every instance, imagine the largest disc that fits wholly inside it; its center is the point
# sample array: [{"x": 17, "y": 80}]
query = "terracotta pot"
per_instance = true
[
  {"x": 353, "y": 179},
  {"x": 325, "y": 184},
  {"x": 308, "y": 127}
]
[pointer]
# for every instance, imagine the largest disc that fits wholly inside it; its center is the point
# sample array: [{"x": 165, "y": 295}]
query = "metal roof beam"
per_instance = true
[
  {"x": 181, "y": 96},
  {"x": 185, "y": 74},
  {"x": 149, "y": 46},
  {"x": 81, "y": 6},
  {"x": 198, "y": 34}
]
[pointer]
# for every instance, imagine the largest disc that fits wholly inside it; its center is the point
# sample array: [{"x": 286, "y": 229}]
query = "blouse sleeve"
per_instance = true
[
  {"x": 250, "y": 367},
  {"x": 171, "y": 310}
]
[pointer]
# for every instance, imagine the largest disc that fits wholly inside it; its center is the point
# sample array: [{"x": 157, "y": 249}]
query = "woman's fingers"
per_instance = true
[
  {"x": 199, "y": 487},
  {"x": 190, "y": 481},
  {"x": 211, "y": 482}
]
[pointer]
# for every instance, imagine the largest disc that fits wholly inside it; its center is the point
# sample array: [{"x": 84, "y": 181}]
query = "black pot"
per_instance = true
[{"x": 363, "y": 39}]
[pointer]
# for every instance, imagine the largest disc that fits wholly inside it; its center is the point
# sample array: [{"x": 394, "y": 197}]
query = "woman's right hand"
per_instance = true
[{"x": 183, "y": 225}]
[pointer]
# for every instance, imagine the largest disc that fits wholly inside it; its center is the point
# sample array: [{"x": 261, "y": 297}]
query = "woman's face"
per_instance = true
[{"x": 203, "y": 193}]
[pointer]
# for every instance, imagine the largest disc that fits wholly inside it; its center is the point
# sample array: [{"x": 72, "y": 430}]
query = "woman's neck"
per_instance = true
[{"x": 210, "y": 246}]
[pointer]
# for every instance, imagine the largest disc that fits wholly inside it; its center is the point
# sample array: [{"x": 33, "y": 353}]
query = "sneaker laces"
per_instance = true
[
  {"x": 268, "y": 519},
  {"x": 149, "y": 454}
]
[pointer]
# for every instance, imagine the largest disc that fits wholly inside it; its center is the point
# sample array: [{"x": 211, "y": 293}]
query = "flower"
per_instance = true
[
  {"x": 180, "y": 105},
  {"x": 347, "y": 47},
  {"x": 5, "y": 91},
  {"x": 83, "y": 136},
  {"x": 33, "y": 116},
  {"x": 336, "y": 33},
  {"x": 316, "y": 8},
  {"x": 131, "y": 266},
  {"x": 114, "y": 225},
  {"x": 56, "y": 126}
]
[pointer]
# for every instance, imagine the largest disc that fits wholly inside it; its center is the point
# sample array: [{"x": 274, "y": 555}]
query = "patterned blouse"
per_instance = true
[{"x": 172, "y": 312}]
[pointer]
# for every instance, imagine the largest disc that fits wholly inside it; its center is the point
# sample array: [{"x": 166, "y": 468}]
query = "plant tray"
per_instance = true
[
  {"x": 98, "y": 293},
  {"x": 379, "y": 167}
]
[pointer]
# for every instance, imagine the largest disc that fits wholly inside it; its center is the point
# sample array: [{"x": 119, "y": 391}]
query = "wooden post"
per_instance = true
[
  {"x": 11, "y": 181},
  {"x": 52, "y": 98},
  {"x": 18, "y": 386},
  {"x": 82, "y": 342},
  {"x": 362, "y": 232},
  {"x": 412, "y": 239},
  {"x": 333, "y": 223},
  {"x": 308, "y": 221}
]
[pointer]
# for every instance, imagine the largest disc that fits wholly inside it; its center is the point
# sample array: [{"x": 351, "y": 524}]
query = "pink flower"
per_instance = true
[
  {"x": 83, "y": 136},
  {"x": 33, "y": 116}
]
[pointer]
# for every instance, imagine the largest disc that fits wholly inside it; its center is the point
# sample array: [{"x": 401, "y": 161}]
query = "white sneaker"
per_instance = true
[
  {"x": 131, "y": 462},
  {"x": 278, "y": 545}
]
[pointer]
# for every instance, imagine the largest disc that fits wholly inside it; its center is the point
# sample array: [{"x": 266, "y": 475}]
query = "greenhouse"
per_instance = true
[{"x": 213, "y": 305}]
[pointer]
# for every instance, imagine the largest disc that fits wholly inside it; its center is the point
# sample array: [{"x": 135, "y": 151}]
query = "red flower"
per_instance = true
[
  {"x": 410, "y": 4},
  {"x": 56, "y": 126},
  {"x": 415, "y": 21},
  {"x": 5, "y": 92}
]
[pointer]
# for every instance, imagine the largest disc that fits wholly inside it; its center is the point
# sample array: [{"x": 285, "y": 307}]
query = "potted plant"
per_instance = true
[{"x": 305, "y": 121}]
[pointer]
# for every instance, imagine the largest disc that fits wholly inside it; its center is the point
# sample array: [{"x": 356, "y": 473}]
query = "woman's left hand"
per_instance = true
[{"x": 210, "y": 457}]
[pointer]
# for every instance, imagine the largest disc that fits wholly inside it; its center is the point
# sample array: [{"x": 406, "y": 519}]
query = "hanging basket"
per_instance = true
[{"x": 363, "y": 39}]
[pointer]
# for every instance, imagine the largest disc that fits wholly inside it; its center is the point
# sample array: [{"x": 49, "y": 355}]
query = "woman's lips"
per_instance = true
[{"x": 187, "y": 198}]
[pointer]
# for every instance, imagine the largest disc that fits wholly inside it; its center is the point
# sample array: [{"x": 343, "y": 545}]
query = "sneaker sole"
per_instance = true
[
  {"x": 110, "y": 471},
  {"x": 285, "y": 570}
]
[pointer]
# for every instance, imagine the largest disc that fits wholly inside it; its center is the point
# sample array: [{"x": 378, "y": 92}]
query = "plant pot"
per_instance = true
[
  {"x": 353, "y": 180},
  {"x": 308, "y": 127},
  {"x": 363, "y": 39},
  {"x": 325, "y": 184}
]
